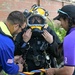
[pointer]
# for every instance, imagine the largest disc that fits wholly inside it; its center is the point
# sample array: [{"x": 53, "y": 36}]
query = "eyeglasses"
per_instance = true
[
  {"x": 20, "y": 27},
  {"x": 60, "y": 11}
]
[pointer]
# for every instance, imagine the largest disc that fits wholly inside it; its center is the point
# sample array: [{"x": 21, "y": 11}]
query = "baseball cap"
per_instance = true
[{"x": 68, "y": 10}]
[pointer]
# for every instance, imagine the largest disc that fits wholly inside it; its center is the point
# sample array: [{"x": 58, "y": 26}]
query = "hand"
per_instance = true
[
  {"x": 50, "y": 71},
  {"x": 48, "y": 37},
  {"x": 20, "y": 67},
  {"x": 27, "y": 35},
  {"x": 18, "y": 59}
]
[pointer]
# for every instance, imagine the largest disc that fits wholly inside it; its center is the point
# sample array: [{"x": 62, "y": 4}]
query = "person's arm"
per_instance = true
[
  {"x": 66, "y": 70},
  {"x": 19, "y": 43},
  {"x": 53, "y": 46},
  {"x": 7, "y": 60}
]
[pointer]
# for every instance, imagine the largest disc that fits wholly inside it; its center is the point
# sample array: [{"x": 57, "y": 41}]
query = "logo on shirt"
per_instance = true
[
  {"x": 10, "y": 61},
  {"x": 65, "y": 60}
]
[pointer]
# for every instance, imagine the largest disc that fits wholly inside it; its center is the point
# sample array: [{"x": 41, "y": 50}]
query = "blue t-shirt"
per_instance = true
[
  {"x": 69, "y": 48},
  {"x": 7, "y": 55}
]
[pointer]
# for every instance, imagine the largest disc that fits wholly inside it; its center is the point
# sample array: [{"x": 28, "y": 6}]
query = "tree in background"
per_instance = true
[{"x": 58, "y": 29}]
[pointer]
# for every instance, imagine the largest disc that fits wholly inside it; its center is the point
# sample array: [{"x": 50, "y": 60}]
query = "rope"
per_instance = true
[{"x": 41, "y": 71}]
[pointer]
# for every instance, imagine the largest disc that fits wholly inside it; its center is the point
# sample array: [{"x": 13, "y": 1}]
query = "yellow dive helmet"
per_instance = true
[{"x": 38, "y": 17}]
